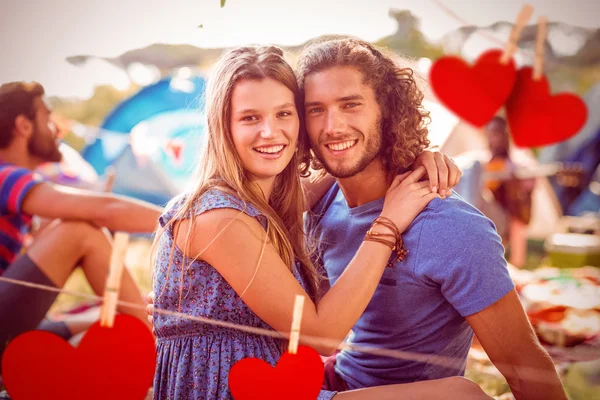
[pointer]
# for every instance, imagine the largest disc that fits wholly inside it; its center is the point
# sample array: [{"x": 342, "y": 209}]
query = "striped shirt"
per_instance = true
[{"x": 15, "y": 183}]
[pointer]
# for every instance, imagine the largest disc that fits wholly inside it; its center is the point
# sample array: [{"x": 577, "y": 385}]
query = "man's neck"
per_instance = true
[
  {"x": 19, "y": 157},
  {"x": 370, "y": 184}
]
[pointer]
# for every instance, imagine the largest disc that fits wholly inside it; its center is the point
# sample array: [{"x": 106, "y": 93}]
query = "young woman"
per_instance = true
[{"x": 233, "y": 249}]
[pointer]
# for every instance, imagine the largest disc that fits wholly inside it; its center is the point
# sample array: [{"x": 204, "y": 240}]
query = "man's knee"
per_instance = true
[
  {"x": 79, "y": 233},
  {"x": 80, "y": 227},
  {"x": 64, "y": 246}
]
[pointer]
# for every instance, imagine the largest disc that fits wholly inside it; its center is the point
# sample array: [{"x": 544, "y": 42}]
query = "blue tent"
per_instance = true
[{"x": 151, "y": 139}]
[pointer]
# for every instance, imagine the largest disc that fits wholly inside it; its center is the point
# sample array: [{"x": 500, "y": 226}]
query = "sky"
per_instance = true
[{"x": 36, "y": 35}]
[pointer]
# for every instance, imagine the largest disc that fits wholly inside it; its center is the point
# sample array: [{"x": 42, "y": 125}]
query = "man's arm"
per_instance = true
[
  {"x": 101, "y": 209},
  {"x": 466, "y": 258},
  {"x": 509, "y": 340}
]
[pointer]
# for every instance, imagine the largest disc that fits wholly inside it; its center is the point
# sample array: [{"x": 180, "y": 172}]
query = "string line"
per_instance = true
[
  {"x": 485, "y": 34},
  {"x": 532, "y": 374}
]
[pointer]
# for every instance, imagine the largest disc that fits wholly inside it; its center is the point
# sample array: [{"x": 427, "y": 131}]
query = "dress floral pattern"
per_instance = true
[{"x": 194, "y": 358}]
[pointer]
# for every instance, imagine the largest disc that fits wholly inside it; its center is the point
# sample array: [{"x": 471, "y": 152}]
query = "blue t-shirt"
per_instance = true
[{"x": 455, "y": 268}]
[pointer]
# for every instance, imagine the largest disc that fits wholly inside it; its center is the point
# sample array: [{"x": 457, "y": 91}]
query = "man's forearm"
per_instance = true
[
  {"x": 535, "y": 377},
  {"x": 129, "y": 215},
  {"x": 508, "y": 338}
]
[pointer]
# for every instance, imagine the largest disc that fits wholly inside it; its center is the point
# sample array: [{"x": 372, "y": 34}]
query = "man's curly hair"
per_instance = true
[{"x": 403, "y": 118}]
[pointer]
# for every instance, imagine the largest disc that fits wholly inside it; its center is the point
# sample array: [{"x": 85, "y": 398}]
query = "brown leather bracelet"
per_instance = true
[
  {"x": 401, "y": 251},
  {"x": 388, "y": 223},
  {"x": 398, "y": 243},
  {"x": 389, "y": 244},
  {"x": 370, "y": 232}
]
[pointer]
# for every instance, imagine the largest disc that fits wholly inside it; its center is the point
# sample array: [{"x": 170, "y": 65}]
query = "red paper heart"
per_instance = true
[
  {"x": 295, "y": 377},
  {"x": 537, "y": 119},
  {"x": 473, "y": 93},
  {"x": 109, "y": 363}
]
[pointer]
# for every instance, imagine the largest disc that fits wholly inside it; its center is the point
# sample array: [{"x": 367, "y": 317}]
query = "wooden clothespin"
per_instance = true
[
  {"x": 540, "y": 41},
  {"x": 296, "y": 320},
  {"x": 513, "y": 42},
  {"x": 113, "y": 282}
]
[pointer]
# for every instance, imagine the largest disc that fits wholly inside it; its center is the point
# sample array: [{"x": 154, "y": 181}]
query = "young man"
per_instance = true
[
  {"x": 366, "y": 124},
  {"x": 75, "y": 237}
]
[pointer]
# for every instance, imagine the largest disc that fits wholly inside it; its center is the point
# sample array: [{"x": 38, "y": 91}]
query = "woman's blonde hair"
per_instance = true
[{"x": 220, "y": 166}]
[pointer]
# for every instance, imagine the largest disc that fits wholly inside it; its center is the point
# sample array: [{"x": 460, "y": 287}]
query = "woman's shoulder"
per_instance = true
[
  {"x": 216, "y": 198},
  {"x": 211, "y": 199}
]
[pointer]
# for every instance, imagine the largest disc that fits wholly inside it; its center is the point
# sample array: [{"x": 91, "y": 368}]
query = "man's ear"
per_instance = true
[{"x": 23, "y": 126}]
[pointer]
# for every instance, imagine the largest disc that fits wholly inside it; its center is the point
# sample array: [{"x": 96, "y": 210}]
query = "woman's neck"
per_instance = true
[{"x": 266, "y": 186}]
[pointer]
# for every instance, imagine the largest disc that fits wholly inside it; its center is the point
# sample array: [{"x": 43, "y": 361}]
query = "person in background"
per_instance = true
[
  {"x": 78, "y": 233},
  {"x": 512, "y": 194}
]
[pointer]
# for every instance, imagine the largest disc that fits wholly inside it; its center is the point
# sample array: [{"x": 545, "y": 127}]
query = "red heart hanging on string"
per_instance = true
[
  {"x": 295, "y": 377},
  {"x": 109, "y": 363},
  {"x": 474, "y": 93},
  {"x": 536, "y": 118}
]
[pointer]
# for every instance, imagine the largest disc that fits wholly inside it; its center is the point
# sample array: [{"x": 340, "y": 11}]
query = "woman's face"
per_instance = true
[{"x": 264, "y": 126}]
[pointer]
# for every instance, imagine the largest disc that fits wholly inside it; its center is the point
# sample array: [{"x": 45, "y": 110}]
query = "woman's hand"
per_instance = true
[
  {"x": 442, "y": 172},
  {"x": 407, "y": 197},
  {"x": 150, "y": 310}
]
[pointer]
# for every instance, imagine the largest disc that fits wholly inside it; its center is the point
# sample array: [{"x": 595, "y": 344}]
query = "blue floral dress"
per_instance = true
[{"x": 193, "y": 358}]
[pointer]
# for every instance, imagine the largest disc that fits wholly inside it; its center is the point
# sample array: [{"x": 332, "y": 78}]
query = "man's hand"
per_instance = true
[
  {"x": 442, "y": 172},
  {"x": 150, "y": 310}
]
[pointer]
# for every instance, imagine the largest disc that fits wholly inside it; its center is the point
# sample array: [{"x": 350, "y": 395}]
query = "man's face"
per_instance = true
[
  {"x": 43, "y": 143},
  {"x": 497, "y": 137},
  {"x": 343, "y": 120}
]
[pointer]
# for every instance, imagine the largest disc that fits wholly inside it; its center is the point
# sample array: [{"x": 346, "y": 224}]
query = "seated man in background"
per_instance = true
[{"x": 75, "y": 237}]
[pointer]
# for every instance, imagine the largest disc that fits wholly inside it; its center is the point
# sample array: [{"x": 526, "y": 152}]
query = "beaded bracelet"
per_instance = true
[{"x": 396, "y": 244}]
